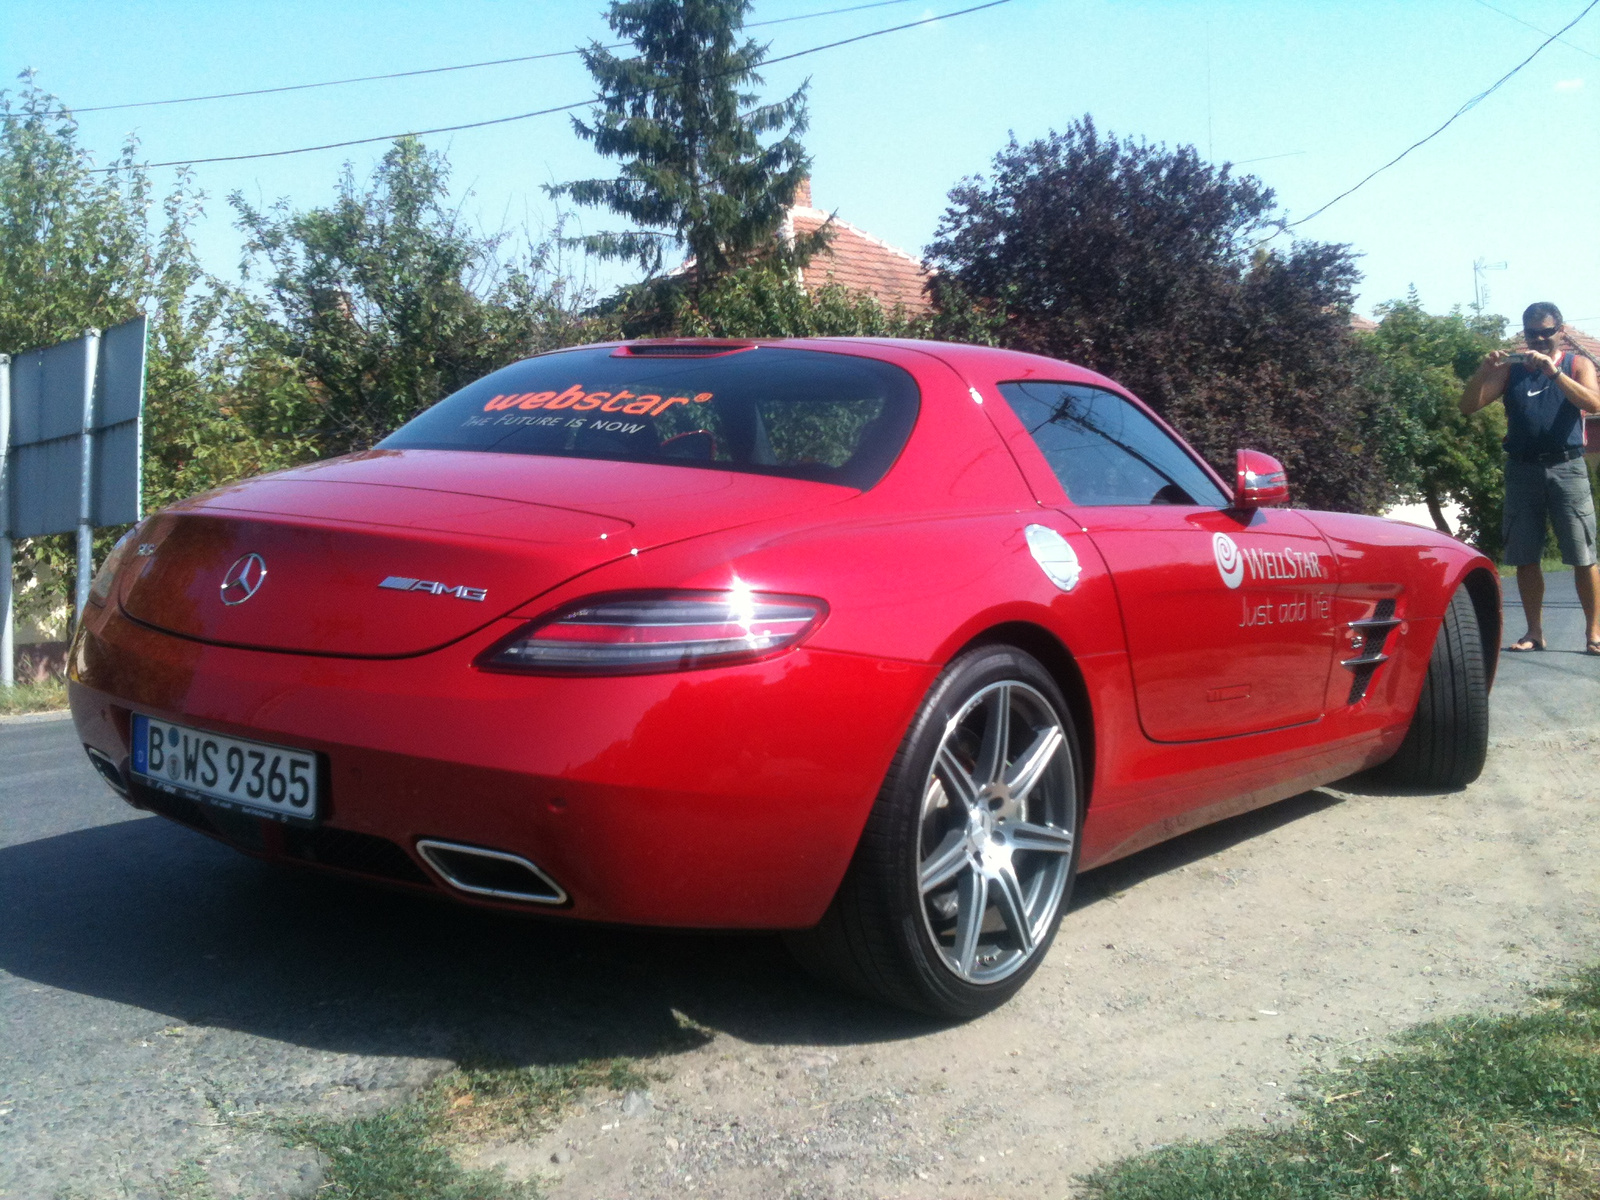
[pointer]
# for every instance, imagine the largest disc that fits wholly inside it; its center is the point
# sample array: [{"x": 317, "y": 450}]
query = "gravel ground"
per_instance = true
[
  {"x": 1186, "y": 992},
  {"x": 152, "y": 983}
]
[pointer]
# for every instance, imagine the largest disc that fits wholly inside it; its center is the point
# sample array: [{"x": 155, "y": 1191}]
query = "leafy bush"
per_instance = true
[
  {"x": 385, "y": 302},
  {"x": 81, "y": 249},
  {"x": 1432, "y": 452}
]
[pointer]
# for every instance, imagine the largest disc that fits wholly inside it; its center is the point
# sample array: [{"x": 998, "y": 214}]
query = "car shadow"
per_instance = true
[
  {"x": 1116, "y": 877},
  {"x": 1369, "y": 783},
  {"x": 149, "y": 914}
]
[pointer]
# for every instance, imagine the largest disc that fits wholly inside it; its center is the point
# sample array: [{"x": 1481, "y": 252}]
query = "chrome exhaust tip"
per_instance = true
[
  {"x": 109, "y": 771},
  {"x": 490, "y": 873}
]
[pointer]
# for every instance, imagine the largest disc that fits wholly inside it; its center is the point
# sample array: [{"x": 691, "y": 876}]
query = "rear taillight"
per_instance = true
[{"x": 637, "y": 632}]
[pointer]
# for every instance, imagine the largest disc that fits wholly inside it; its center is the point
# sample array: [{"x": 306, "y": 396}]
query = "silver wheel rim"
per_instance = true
[{"x": 996, "y": 832}]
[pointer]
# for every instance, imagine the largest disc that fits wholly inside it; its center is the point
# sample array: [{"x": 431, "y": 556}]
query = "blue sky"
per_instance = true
[{"x": 1321, "y": 93}]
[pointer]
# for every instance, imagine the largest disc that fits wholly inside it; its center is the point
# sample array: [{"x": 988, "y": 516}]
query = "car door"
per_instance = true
[{"x": 1228, "y": 614}]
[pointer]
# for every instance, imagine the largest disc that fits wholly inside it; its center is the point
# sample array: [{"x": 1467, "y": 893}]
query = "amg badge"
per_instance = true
[{"x": 461, "y": 591}]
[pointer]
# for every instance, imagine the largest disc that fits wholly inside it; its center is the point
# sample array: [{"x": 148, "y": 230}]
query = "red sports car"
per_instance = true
[{"x": 874, "y": 642}]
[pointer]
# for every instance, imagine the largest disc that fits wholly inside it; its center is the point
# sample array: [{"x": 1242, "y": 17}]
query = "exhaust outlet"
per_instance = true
[
  {"x": 109, "y": 771},
  {"x": 490, "y": 873}
]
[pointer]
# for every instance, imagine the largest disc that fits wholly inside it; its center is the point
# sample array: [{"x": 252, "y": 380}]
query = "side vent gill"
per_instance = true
[{"x": 1368, "y": 638}]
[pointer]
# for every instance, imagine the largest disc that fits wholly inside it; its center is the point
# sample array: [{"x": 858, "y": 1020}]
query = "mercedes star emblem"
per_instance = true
[{"x": 244, "y": 579}]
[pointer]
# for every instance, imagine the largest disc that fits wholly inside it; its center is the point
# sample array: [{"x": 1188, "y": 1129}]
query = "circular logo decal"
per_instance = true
[
  {"x": 1230, "y": 563},
  {"x": 244, "y": 579}
]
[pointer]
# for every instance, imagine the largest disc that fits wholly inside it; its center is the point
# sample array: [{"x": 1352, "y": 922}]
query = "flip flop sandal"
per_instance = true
[
  {"x": 1592, "y": 648},
  {"x": 1526, "y": 643}
]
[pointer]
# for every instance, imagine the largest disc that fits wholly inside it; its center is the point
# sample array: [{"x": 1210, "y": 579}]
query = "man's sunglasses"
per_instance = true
[{"x": 1541, "y": 335}]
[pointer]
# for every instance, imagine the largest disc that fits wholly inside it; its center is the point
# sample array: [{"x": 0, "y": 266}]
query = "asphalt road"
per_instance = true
[{"x": 154, "y": 982}]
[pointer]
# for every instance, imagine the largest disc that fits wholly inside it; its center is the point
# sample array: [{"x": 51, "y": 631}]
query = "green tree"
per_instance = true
[
  {"x": 79, "y": 249},
  {"x": 696, "y": 173},
  {"x": 74, "y": 246},
  {"x": 1145, "y": 263},
  {"x": 387, "y": 300},
  {"x": 1433, "y": 453},
  {"x": 213, "y": 398}
]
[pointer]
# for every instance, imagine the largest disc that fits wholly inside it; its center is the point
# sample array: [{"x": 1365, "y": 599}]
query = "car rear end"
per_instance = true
[{"x": 445, "y": 663}]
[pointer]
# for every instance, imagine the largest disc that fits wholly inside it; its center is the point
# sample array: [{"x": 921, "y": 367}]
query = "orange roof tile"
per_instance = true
[
  {"x": 1580, "y": 341},
  {"x": 855, "y": 259}
]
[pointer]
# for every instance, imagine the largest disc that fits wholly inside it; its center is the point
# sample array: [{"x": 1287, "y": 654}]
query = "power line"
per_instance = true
[
  {"x": 1536, "y": 29},
  {"x": 1244, "y": 162},
  {"x": 830, "y": 13},
  {"x": 1470, "y": 104},
  {"x": 542, "y": 112},
  {"x": 472, "y": 66}
]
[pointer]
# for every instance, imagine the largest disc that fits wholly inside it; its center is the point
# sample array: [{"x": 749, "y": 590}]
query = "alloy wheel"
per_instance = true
[{"x": 997, "y": 828}]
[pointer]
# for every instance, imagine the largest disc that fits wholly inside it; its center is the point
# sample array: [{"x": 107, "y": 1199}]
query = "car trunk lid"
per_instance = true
[{"x": 361, "y": 557}]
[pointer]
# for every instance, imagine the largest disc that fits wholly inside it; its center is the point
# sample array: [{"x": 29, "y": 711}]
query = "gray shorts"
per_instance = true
[{"x": 1559, "y": 493}]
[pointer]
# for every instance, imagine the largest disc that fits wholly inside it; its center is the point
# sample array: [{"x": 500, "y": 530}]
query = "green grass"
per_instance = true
[
  {"x": 1545, "y": 564},
  {"x": 1479, "y": 1108},
  {"x": 33, "y": 697},
  {"x": 403, "y": 1153}
]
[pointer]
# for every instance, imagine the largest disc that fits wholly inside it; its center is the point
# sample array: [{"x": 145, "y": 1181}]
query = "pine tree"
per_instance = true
[{"x": 696, "y": 173}]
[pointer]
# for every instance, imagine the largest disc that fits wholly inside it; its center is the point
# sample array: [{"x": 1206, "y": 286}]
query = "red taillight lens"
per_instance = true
[{"x": 657, "y": 631}]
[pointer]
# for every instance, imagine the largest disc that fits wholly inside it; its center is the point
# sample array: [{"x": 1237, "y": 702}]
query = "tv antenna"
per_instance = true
[{"x": 1480, "y": 289}]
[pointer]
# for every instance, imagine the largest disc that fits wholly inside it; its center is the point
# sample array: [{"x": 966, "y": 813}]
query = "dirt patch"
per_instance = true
[{"x": 1187, "y": 990}]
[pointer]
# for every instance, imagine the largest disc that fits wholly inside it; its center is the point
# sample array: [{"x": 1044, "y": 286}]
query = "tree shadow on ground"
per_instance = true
[{"x": 149, "y": 914}]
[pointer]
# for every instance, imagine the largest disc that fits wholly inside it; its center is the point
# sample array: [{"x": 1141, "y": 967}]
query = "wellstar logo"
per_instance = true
[
  {"x": 1287, "y": 564},
  {"x": 1230, "y": 564},
  {"x": 1283, "y": 564}
]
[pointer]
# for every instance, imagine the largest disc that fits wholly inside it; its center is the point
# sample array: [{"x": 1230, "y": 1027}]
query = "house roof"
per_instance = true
[
  {"x": 1580, "y": 341},
  {"x": 855, "y": 259}
]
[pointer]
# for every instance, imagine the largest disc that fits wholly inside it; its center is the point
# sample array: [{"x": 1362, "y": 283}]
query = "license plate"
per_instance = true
[{"x": 270, "y": 781}]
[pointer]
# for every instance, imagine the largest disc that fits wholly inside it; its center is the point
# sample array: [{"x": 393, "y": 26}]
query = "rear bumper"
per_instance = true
[{"x": 725, "y": 798}]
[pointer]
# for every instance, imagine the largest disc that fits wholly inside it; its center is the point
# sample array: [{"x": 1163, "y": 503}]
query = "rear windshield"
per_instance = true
[{"x": 767, "y": 410}]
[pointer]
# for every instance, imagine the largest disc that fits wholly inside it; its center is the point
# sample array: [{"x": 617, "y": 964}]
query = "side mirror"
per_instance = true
[{"x": 1259, "y": 481}]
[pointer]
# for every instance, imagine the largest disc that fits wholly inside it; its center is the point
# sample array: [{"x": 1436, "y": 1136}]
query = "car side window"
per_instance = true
[{"x": 1105, "y": 451}]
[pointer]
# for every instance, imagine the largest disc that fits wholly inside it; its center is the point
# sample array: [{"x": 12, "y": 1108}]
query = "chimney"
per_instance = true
[{"x": 802, "y": 194}]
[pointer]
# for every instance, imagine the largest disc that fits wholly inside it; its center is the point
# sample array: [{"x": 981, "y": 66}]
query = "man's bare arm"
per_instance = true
[
  {"x": 1488, "y": 382},
  {"x": 1582, "y": 387}
]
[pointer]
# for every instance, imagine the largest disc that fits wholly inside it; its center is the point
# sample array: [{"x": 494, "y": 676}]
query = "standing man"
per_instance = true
[{"x": 1546, "y": 394}]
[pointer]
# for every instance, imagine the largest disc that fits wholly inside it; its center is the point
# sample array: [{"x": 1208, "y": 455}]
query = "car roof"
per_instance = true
[{"x": 992, "y": 362}]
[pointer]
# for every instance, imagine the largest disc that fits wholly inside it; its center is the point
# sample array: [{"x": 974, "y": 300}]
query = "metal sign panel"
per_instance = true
[
  {"x": 46, "y": 439},
  {"x": 117, "y": 497},
  {"x": 47, "y": 425}
]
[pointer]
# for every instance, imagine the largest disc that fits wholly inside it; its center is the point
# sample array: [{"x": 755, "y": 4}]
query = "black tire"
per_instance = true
[
  {"x": 1449, "y": 736},
  {"x": 889, "y": 936}
]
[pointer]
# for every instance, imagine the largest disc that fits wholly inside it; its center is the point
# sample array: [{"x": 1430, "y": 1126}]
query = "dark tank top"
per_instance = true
[{"x": 1539, "y": 418}]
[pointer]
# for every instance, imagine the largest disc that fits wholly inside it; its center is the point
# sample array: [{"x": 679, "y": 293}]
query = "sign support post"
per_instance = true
[
  {"x": 8, "y": 658},
  {"x": 91, "y": 361}
]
